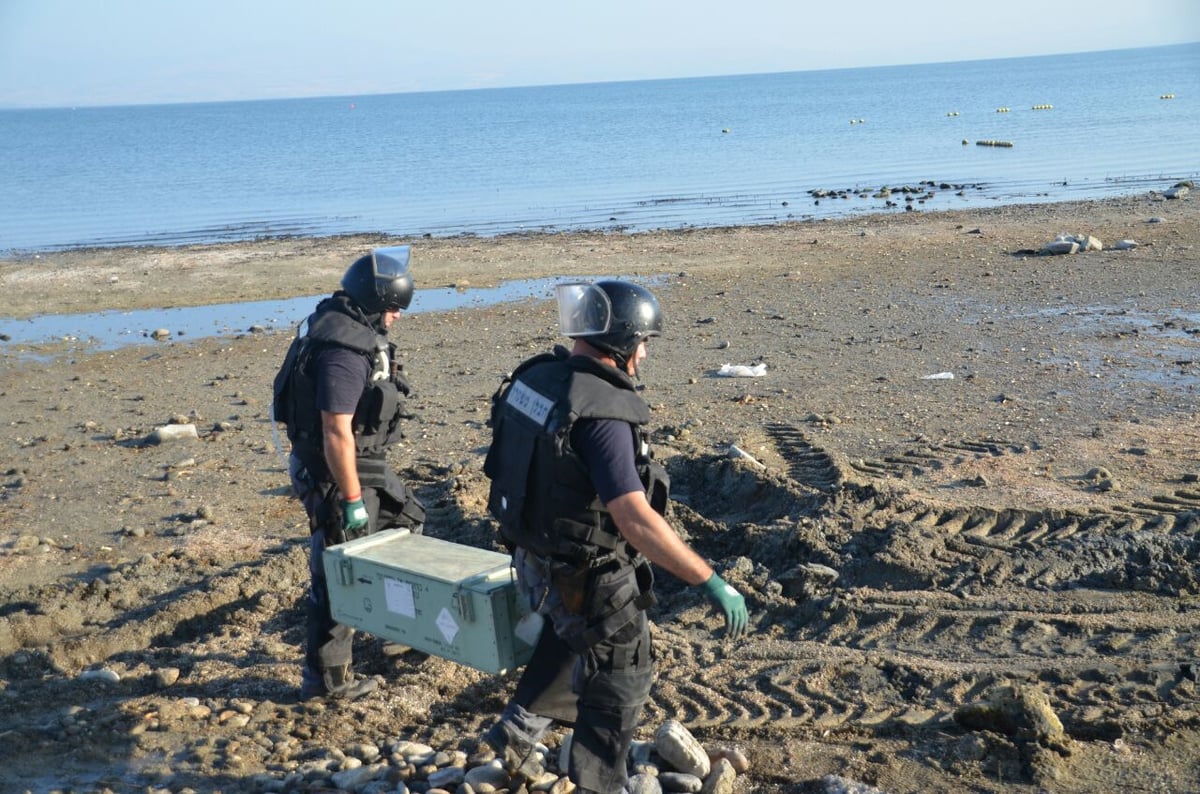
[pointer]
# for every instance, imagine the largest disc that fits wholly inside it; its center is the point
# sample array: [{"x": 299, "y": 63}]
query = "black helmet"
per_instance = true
[
  {"x": 380, "y": 281},
  {"x": 633, "y": 314}
]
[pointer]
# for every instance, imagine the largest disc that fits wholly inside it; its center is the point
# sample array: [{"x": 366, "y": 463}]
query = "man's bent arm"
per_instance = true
[{"x": 649, "y": 533}]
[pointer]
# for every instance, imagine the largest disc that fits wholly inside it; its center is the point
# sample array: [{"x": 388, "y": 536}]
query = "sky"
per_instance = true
[{"x": 68, "y": 53}]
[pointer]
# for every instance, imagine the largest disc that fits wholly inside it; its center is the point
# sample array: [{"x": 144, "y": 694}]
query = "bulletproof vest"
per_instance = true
[
  {"x": 541, "y": 491},
  {"x": 377, "y": 416}
]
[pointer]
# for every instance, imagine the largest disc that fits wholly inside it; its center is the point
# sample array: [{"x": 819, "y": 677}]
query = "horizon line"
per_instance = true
[{"x": 582, "y": 82}]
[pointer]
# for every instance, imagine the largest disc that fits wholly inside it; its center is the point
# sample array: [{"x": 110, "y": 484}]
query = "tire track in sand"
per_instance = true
[{"x": 933, "y": 605}]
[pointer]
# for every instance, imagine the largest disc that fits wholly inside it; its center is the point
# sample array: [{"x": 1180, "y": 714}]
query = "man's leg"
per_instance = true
[
  {"x": 543, "y": 694},
  {"x": 328, "y": 645},
  {"x": 613, "y": 685},
  {"x": 327, "y": 651}
]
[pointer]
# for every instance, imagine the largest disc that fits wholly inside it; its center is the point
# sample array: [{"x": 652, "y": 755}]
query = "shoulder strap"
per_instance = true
[{"x": 337, "y": 328}]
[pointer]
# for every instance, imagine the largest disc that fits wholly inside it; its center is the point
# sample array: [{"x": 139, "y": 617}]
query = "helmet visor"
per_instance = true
[
  {"x": 583, "y": 309},
  {"x": 391, "y": 262}
]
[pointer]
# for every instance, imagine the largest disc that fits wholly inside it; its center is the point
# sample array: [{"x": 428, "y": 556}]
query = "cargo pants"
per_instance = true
[
  {"x": 600, "y": 689},
  {"x": 328, "y": 643}
]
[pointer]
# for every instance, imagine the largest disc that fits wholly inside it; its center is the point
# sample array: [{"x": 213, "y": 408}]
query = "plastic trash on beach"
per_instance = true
[
  {"x": 174, "y": 432},
  {"x": 939, "y": 376},
  {"x": 742, "y": 370}
]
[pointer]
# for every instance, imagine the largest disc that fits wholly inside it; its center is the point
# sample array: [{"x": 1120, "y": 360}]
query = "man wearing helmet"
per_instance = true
[
  {"x": 580, "y": 503},
  {"x": 339, "y": 393}
]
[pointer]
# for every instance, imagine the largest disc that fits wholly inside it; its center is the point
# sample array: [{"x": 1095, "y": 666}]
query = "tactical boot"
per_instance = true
[
  {"x": 519, "y": 755},
  {"x": 337, "y": 682}
]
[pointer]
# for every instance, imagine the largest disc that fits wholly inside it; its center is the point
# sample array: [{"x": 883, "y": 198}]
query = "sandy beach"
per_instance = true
[{"x": 966, "y": 512}]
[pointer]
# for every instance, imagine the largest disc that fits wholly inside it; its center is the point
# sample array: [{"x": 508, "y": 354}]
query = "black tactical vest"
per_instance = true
[
  {"x": 376, "y": 421},
  {"x": 541, "y": 491}
]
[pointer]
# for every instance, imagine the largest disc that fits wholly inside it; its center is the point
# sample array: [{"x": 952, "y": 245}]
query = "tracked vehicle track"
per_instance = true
[
  {"x": 807, "y": 464},
  {"x": 933, "y": 604},
  {"x": 915, "y": 462},
  {"x": 874, "y": 612}
]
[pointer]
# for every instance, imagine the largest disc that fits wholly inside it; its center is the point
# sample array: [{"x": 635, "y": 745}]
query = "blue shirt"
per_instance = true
[
  {"x": 342, "y": 376},
  {"x": 607, "y": 448}
]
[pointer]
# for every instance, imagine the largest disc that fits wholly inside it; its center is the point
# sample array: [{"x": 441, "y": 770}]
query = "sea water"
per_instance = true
[
  {"x": 114, "y": 329},
  {"x": 628, "y": 156}
]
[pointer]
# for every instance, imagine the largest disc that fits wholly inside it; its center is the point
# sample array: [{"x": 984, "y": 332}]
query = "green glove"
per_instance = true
[
  {"x": 354, "y": 515},
  {"x": 731, "y": 603}
]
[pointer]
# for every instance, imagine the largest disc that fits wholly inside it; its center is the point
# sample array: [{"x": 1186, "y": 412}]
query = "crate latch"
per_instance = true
[
  {"x": 345, "y": 572},
  {"x": 466, "y": 609}
]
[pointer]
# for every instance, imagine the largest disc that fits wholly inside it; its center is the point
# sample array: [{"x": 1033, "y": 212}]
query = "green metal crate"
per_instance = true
[{"x": 443, "y": 598}]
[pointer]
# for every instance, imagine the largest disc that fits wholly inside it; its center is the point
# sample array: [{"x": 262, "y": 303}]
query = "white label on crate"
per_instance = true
[
  {"x": 529, "y": 402},
  {"x": 399, "y": 597},
  {"x": 447, "y": 625}
]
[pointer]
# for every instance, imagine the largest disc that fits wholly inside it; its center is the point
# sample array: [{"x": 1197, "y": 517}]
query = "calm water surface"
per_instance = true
[{"x": 630, "y": 156}]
